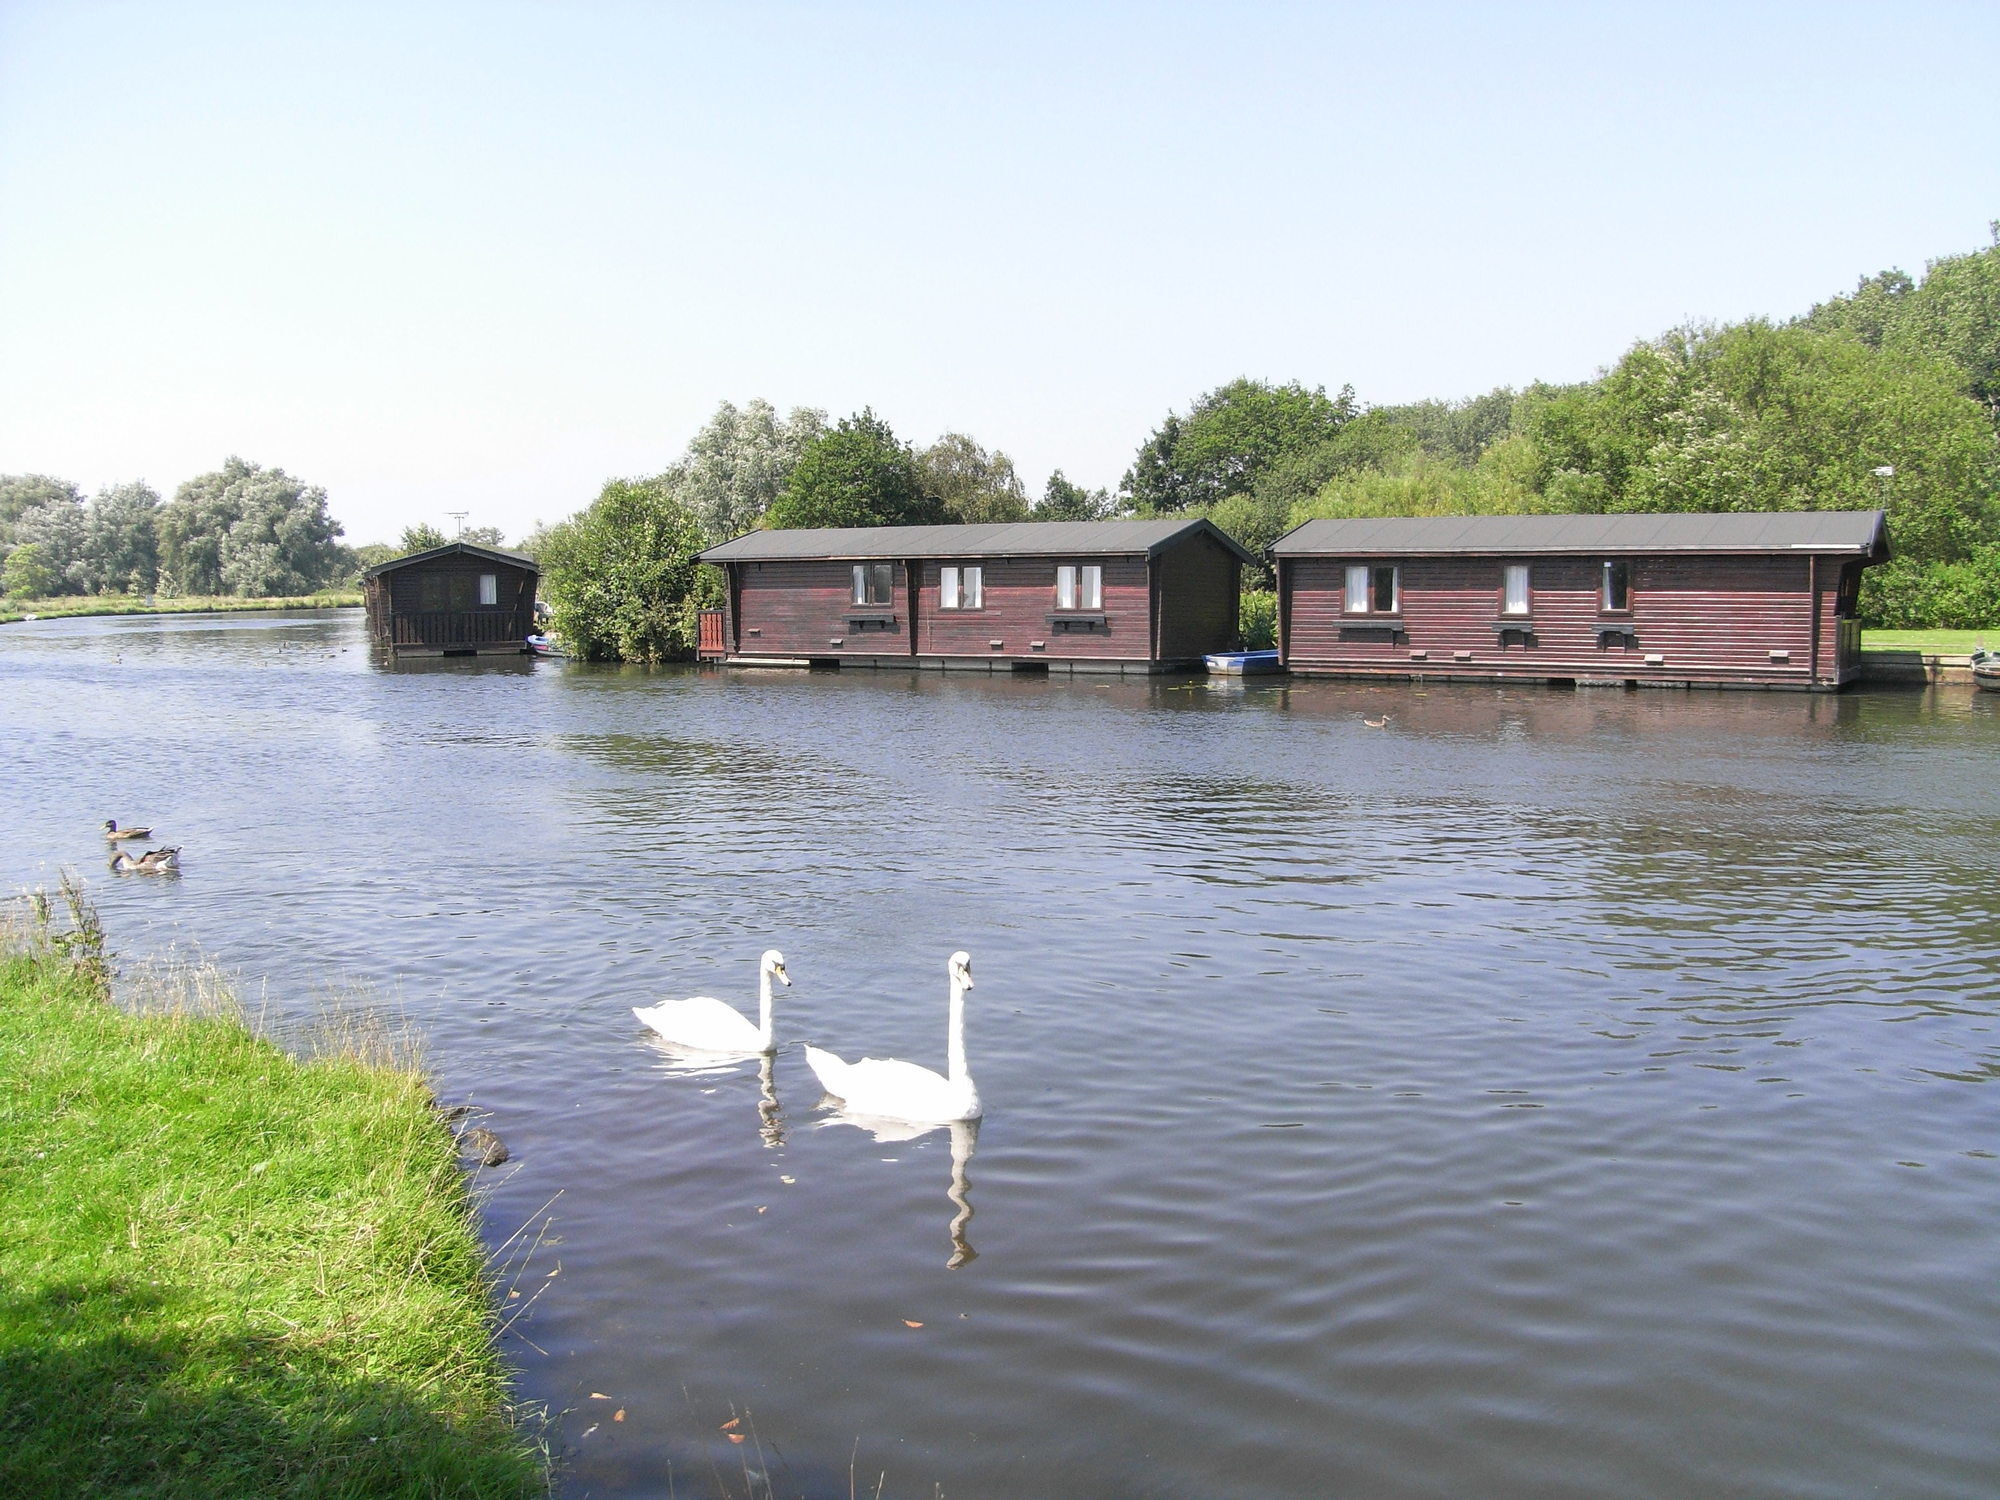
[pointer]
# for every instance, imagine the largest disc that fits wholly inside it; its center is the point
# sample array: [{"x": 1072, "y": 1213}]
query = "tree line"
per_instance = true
[{"x": 242, "y": 529}]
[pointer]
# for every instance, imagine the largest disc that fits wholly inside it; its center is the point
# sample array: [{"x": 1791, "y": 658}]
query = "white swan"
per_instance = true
[
  {"x": 708, "y": 1025},
  {"x": 898, "y": 1090}
]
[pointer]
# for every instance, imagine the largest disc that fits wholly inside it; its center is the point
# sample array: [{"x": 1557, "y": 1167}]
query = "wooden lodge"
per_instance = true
[
  {"x": 1725, "y": 600},
  {"x": 454, "y": 600},
  {"x": 1067, "y": 596}
]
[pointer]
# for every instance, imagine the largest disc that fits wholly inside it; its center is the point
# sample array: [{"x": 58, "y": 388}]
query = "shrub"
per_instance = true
[{"x": 1257, "y": 620}]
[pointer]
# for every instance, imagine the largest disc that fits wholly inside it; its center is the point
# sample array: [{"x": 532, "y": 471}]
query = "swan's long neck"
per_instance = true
[
  {"x": 764, "y": 1006},
  {"x": 955, "y": 1037}
]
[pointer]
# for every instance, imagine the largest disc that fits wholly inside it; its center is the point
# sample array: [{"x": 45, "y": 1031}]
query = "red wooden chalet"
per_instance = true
[
  {"x": 1072, "y": 596},
  {"x": 1736, "y": 599}
]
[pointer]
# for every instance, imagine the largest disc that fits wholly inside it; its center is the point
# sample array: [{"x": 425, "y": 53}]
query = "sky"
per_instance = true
[{"x": 481, "y": 257}]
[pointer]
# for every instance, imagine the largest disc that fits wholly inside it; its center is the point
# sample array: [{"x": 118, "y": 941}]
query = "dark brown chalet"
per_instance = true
[
  {"x": 454, "y": 600},
  {"x": 1119, "y": 596},
  {"x": 1754, "y": 600}
]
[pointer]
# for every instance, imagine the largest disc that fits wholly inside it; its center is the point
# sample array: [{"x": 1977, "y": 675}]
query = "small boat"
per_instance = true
[
  {"x": 543, "y": 645},
  {"x": 1241, "y": 663},
  {"x": 1986, "y": 669}
]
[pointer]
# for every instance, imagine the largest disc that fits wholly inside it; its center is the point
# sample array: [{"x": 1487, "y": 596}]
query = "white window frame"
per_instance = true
[
  {"x": 489, "y": 588},
  {"x": 863, "y": 573},
  {"x": 961, "y": 586},
  {"x": 1515, "y": 601},
  {"x": 1080, "y": 586},
  {"x": 1358, "y": 589}
]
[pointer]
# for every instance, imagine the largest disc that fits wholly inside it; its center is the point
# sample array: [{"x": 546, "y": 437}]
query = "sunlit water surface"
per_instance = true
[{"x": 1551, "y": 1094}]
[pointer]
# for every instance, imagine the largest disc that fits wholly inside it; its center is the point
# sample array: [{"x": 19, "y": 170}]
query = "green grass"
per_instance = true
[
  {"x": 1933, "y": 642},
  {"x": 226, "y": 1271},
  {"x": 198, "y": 604}
]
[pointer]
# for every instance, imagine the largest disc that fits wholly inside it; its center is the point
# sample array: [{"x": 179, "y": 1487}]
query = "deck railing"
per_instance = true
[
  {"x": 458, "y": 627},
  {"x": 711, "y": 637}
]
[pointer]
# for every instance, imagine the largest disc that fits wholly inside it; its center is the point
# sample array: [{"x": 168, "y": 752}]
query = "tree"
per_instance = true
[
  {"x": 1063, "y": 501},
  {"x": 1229, "y": 438},
  {"x": 421, "y": 537},
  {"x": 621, "y": 576},
  {"x": 248, "y": 530},
  {"x": 483, "y": 536},
  {"x": 58, "y": 528},
  {"x": 19, "y": 491},
  {"x": 24, "y": 575},
  {"x": 858, "y": 474},
  {"x": 737, "y": 464},
  {"x": 121, "y": 542},
  {"x": 974, "y": 485}
]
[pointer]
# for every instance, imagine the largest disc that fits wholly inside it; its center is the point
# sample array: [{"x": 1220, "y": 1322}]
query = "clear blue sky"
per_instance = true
[{"x": 482, "y": 256}]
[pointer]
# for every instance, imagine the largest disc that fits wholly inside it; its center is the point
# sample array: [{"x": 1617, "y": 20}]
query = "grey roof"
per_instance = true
[
  {"x": 1000, "y": 539},
  {"x": 1856, "y": 531},
  {"x": 469, "y": 549}
]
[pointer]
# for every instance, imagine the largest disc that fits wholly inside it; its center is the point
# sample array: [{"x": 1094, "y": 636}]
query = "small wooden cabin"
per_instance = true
[
  {"x": 1761, "y": 599},
  {"x": 1118, "y": 596},
  {"x": 454, "y": 600}
]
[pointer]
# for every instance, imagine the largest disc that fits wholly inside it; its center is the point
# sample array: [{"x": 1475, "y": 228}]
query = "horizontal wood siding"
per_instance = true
[
  {"x": 1200, "y": 590},
  {"x": 397, "y": 616},
  {"x": 1019, "y": 595},
  {"x": 1710, "y": 617},
  {"x": 801, "y": 609}
]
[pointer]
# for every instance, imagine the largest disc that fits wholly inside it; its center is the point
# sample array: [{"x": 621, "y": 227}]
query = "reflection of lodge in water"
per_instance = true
[
  {"x": 455, "y": 600},
  {"x": 1739, "y": 599}
]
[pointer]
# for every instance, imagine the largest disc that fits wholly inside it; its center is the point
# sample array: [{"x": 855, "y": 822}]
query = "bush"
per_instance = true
[
  {"x": 1907, "y": 595},
  {"x": 1257, "y": 620},
  {"x": 621, "y": 576}
]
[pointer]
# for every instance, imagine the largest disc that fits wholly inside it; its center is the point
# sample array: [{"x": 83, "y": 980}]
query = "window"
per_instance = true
[
  {"x": 461, "y": 591},
  {"x": 432, "y": 592},
  {"x": 1371, "y": 590},
  {"x": 874, "y": 583},
  {"x": 959, "y": 588},
  {"x": 1617, "y": 585},
  {"x": 1514, "y": 589},
  {"x": 489, "y": 588},
  {"x": 1080, "y": 586}
]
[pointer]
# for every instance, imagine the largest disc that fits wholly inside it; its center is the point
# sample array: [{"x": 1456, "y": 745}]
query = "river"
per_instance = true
[{"x": 1550, "y": 1094}]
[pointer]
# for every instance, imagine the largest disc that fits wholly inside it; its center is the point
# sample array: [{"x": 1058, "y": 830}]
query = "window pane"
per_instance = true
[
  {"x": 947, "y": 588},
  {"x": 1617, "y": 585},
  {"x": 1065, "y": 588},
  {"x": 1093, "y": 587},
  {"x": 975, "y": 597},
  {"x": 461, "y": 591},
  {"x": 489, "y": 588},
  {"x": 1516, "y": 589},
  {"x": 1385, "y": 591},
  {"x": 431, "y": 591},
  {"x": 1357, "y": 589},
  {"x": 860, "y": 583}
]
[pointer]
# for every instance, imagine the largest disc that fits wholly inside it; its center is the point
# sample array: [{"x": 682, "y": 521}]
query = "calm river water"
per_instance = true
[{"x": 1552, "y": 1094}]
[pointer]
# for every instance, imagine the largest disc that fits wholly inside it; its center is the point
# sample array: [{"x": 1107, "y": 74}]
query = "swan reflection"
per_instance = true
[
  {"x": 964, "y": 1139},
  {"x": 685, "y": 1062}
]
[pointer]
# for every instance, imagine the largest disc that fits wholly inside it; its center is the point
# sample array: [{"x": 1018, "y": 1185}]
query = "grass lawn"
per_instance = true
[
  {"x": 1934, "y": 642},
  {"x": 201, "y": 604},
  {"x": 225, "y": 1271}
]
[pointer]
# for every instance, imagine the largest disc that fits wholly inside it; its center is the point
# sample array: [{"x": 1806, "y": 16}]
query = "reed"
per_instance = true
[
  {"x": 226, "y": 1269},
  {"x": 63, "y": 606}
]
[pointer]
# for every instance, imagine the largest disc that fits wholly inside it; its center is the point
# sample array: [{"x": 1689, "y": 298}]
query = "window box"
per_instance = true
[
  {"x": 1078, "y": 621},
  {"x": 1373, "y": 629},
  {"x": 858, "y": 622},
  {"x": 1617, "y": 635}
]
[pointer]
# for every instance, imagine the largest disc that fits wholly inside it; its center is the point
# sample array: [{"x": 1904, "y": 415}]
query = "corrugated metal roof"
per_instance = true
[
  {"x": 1857, "y": 531},
  {"x": 1000, "y": 539},
  {"x": 471, "y": 549}
]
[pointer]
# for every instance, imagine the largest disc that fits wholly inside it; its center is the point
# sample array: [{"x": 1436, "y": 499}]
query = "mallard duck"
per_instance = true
[
  {"x": 113, "y": 831},
  {"x": 152, "y": 862}
]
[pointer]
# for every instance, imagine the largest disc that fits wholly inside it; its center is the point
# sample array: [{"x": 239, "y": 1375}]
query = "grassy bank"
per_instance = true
[
  {"x": 225, "y": 1271},
  {"x": 1933, "y": 642},
  {"x": 198, "y": 604}
]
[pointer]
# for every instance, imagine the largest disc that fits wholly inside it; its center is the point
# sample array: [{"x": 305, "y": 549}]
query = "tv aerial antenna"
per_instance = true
[{"x": 459, "y": 516}]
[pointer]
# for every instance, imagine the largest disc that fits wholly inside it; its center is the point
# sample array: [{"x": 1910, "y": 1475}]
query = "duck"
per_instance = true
[
  {"x": 152, "y": 862},
  {"x": 1381, "y": 723},
  {"x": 888, "y": 1088},
  {"x": 705, "y": 1024},
  {"x": 113, "y": 832}
]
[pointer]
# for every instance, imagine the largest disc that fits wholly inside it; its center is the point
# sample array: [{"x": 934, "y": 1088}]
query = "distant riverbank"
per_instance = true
[
  {"x": 229, "y": 1271},
  {"x": 124, "y": 604}
]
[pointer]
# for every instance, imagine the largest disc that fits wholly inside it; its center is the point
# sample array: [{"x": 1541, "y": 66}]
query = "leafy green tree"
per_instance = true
[
  {"x": 621, "y": 576},
  {"x": 857, "y": 474},
  {"x": 974, "y": 485},
  {"x": 1227, "y": 440},
  {"x": 249, "y": 530},
  {"x": 421, "y": 537},
  {"x": 20, "y": 491},
  {"x": 58, "y": 528},
  {"x": 121, "y": 543},
  {"x": 369, "y": 554},
  {"x": 483, "y": 536},
  {"x": 737, "y": 464},
  {"x": 1064, "y": 501},
  {"x": 24, "y": 575}
]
